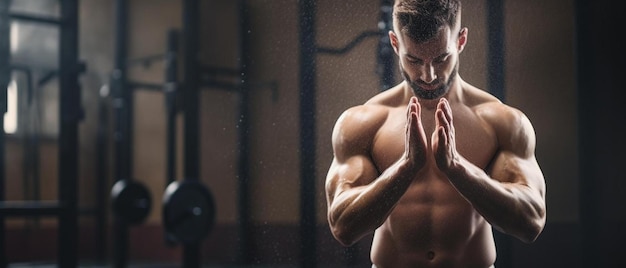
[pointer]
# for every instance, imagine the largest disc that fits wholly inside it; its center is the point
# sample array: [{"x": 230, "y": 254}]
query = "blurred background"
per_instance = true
[{"x": 162, "y": 133}]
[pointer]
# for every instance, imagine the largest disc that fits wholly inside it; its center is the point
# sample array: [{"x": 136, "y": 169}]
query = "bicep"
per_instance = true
[
  {"x": 515, "y": 162},
  {"x": 348, "y": 175},
  {"x": 352, "y": 165},
  {"x": 510, "y": 168}
]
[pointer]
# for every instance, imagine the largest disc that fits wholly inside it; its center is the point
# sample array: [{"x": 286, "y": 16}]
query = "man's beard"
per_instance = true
[{"x": 430, "y": 94}]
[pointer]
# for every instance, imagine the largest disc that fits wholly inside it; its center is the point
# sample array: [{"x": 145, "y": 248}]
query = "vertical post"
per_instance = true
[
  {"x": 102, "y": 146},
  {"x": 496, "y": 85},
  {"x": 496, "y": 49},
  {"x": 245, "y": 252},
  {"x": 191, "y": 252},
  {"x": 122, "y": 105},
  {"x": 308, "y": 232},
  {"x": 385, "y": 51},
  {"x": 171, "y": 90},
  {"x": 171, "y": 98},
  {"x": 190, "y": 25},
  {"x": 70, "y": 114},
  {"x": 5, "y": 76}
]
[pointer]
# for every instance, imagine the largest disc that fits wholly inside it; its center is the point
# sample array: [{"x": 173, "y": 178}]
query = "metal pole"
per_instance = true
[
  {"x": 190, "y": 25},
  {"x": 5, "y": 77},
  {"x": 171, "y": 98},
  {"x": 70, "y": 115},
  {"x": 308, "y": 231},
  {"x": 496, "y": 56},
  {"x": 102, "y": 175},
  {"x": 170, "y": 90},
  {"x": 122, "y": 105},
  {"x": 191, "y": 252},
  {"x": 385, "y": 51},
  {"x": 245, "y": 231}
]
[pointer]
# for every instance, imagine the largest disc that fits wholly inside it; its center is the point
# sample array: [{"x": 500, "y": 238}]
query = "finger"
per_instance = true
[
  {"x": 444, "y": 105},
  {"x": 411, "y": 126},
  {"x": 443, "y": 137},
  {"x": 441, "y": 152},
  {"x": 446, "y": 116},
  {"x": 410, "y": 108},
  {"x": 442, "y": 120},
  {"x": 416, "y": 137},
  {"x": 417, "y": 108},
  {"x": 420, "y": 141}
]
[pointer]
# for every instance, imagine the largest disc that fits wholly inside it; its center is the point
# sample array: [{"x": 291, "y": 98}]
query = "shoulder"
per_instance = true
[
  {"x": 368, "y": 116},
  {"x": 359, "y": 121},
  {"x": 356, "y": 128},
  {"x": 511, "y": 125}
]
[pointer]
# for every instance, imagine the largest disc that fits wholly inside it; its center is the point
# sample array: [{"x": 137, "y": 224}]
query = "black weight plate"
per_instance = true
[
  {"x": 131, "y": 201},
  {"x": 188, "y": 211}
]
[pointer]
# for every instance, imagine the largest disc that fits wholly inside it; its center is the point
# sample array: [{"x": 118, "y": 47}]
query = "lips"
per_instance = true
[{"x": 429, "y": 87}]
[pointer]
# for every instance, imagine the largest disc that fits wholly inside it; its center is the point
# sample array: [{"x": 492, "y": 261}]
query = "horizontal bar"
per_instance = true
[
  {"x": 148, "y": 86},
  {"x": 349, "y": 46},
  {"x": 87, "y": 211},
  {"x": 34, "y": 18},
  {"x": 147, "y": 60},
  {"x": 212, "y": 70},
  {"x": 220, "y": 85},
  {"x": 30, "y": 208}
]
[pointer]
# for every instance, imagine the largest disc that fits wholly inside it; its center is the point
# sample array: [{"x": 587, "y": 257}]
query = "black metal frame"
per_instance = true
[
  {"x": 199, "y": 77},
  {"x": 191, "y": 252},
  {"x": 123, "y": 107},
  {"x": 308, "y": 217},
  {"x": 66, "y": 208},
  {"x": 123, "y": 94},
  {"x": 245, "y": 222}
]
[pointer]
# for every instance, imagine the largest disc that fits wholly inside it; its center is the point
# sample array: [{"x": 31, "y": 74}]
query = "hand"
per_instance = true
[
  {"x": 415, "y": 144},
  {"x": 443, "y": 138}
]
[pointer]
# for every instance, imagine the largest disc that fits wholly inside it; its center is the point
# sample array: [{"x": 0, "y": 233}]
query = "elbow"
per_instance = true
[
  {"x": 343, "y": 232},
  {"x": 525, "y": 229},
  {"x": 531, "y": 235},
  {"x": 343, "y": 236},
  {"x": 533, "y": 229}
]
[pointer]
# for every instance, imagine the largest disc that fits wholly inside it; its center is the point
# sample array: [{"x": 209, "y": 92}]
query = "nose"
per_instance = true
[{"x": 428, "y": 74}]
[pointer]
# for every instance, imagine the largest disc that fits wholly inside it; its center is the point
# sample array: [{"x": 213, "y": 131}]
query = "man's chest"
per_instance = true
[{"x": 474, "y": 139}]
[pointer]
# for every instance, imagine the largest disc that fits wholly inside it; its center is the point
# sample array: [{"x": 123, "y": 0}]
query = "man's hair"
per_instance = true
[{"x": 422, "y": 19}]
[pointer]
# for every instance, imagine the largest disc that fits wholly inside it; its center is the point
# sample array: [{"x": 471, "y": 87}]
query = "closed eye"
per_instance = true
[{"x": 441, "y": 58}]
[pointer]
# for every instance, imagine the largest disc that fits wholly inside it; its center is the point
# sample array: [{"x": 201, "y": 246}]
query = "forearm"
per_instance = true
[
  {"x": 357, "y": 212},
  {"x": 513, "y": 208}
]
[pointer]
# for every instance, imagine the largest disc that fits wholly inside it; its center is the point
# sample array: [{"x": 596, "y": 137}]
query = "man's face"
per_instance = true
[{"x": 429, "y": 67}]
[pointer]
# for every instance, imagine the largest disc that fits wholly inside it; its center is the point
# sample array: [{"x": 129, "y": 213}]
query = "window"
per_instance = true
[
  {"x": 32, "y": 97},
  {"x": 10, "y": 117}
]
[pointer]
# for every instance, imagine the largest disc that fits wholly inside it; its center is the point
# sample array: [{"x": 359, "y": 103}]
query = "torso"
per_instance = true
[{"x": 432, "y": 225}]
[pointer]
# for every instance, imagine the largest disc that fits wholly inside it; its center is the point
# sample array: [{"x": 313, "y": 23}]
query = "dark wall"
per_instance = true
[{"x": 601, "y": 114}]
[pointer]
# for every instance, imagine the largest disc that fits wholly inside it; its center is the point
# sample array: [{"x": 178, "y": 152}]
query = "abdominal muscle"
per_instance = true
[{"x": 433, "y": 226}]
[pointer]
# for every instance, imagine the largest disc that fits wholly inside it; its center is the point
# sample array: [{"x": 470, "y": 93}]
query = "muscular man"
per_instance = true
[{"x": 432, "y": 164}]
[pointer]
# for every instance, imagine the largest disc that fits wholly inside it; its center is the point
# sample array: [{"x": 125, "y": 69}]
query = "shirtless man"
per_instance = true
[{"x": 432, "y": 164}]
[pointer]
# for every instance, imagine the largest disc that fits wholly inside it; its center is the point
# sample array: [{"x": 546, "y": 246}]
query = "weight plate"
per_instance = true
[
  {"x": 131, "y": 201},
  {"x": 188, "y": 211}
]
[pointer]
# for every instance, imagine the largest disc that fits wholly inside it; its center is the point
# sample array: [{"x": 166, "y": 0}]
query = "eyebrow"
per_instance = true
[{"x": 440, "y": 57}]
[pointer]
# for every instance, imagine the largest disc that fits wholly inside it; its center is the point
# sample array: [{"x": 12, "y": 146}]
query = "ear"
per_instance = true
[
  {"x": 393, "y": 39},
  {"x": 462, "y": 40}
]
